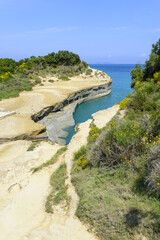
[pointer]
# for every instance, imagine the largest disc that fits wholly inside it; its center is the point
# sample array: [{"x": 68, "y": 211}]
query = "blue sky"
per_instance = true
[{"x": 100, "y": 31}]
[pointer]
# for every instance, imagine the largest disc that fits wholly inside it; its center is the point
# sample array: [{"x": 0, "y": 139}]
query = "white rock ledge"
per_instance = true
[{"x": 6, "y": 114}]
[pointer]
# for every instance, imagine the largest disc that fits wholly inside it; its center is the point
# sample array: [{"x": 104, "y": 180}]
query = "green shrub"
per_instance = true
[
  {"x": 37, "y": 80},
  {"x": 121, "y": 142},
  {"x": 89, "y": 71},
  {"x": 123, "y": 103},
  {"x": 81, "y": 162},
  {"x": 142, "y": 98},
  {"x": 64, "y": 77},
  {"x": 94, "y": 130},
  {"x": 51, "y": 80},
  {"x": 94, "y": 137},
  {"x": 137, "y": 75},
  {"x": 79, "y": 153}
]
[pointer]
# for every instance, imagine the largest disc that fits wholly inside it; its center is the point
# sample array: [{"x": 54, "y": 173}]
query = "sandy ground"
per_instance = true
[
  {"x": 102, "y": 117},
  {"x": 40, "y": 97},
  {"x": 23, "y": 194},
  {"x": 19, "y": 126}
]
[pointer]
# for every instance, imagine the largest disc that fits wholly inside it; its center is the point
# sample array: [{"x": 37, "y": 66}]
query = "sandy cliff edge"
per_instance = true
[{"x": 43, "y": 99}]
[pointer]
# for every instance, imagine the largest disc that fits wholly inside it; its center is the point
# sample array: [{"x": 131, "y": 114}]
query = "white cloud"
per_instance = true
[
  {"x": 119, "y": 28},
  {"x": 143, "y": 55},
  {"x": 55, "y": 29},
  {"x": 156, "y": 30},
  {"x": 43, "y": 31}
]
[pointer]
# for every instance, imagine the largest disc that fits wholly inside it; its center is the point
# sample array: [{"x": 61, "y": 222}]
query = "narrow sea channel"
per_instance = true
[{"x": 121, "y": 80}]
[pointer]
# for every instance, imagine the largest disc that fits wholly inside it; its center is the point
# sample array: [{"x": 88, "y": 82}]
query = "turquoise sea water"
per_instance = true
[{"x": 121, "y": 79}]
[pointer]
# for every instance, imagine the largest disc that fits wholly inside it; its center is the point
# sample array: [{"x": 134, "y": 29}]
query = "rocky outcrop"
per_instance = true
[
  {"x": 4, "y": 114},
  {"x": 79, "y": 96},
  {"x": 18, "y": 127},
  {"x": 61, "y": 115},
  {"x": 58, "y": 98}
]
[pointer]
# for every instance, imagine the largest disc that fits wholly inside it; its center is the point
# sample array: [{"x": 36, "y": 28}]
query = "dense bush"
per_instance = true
[
  {"x": 7, "y": 65},
  {"x": 89, "y": 71},
  {"x": 123, "y": 103},
  {"x": 137, "y": 75},
  {"x": 81, "y": 162},
  {"x": 23, "y": 75},
  {"x": 79, "y": 153},
  {"x": 144, "y": 98},
  {"x": 150, "y": 68},
  {"x": 63, "y": 77},
  {"x": 121, "y": 142}
]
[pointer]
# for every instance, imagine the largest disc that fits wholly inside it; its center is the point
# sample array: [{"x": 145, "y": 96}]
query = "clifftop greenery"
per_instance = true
[
  {"x": 16, "y": 76},
  {"x": 121, "y": 164},
  {"x": 151, "y": 72}
]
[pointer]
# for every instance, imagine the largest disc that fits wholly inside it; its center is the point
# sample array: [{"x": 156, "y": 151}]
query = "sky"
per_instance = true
[{"x": 99, "y": 31}]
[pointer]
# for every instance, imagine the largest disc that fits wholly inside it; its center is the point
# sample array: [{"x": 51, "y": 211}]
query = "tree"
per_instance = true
[
  {"x": 156, "y": 48},
  {"x": 153, "y": 64},
  {"x": 136, "y": 74}
]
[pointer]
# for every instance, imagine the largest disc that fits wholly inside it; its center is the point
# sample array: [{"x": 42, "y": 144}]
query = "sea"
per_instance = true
[{"x": 121, "y": 81}]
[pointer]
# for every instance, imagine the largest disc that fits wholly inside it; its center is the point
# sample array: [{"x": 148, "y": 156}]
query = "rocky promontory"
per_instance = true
[{"x": 52, "y": 97}]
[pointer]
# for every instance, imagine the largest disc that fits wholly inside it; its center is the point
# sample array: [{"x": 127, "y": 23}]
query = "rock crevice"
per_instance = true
[
  {"x": 79, "y": 96},
  {"x": 59, "y": 117}
]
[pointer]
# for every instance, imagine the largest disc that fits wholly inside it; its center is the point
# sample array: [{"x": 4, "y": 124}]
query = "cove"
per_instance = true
[{"x": 121, "y": 80}]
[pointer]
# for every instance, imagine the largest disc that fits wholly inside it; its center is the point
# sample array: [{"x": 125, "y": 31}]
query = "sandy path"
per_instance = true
[
  {"x": 77, "y": 141},
  {"x": 64, "y": 225}
]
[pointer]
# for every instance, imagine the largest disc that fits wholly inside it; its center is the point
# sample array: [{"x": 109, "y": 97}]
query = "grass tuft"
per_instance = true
[
  {"x": 33, "y": 145},
  {"x": 51, "y": 161},
  {"x": 58, "y": 192}
]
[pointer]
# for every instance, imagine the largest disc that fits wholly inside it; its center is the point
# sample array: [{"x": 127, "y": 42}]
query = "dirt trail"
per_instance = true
[
  {"x": 77, "y": 141},
  {"x": 64, "y": 225},
  {"x": 22, "y": 208}
]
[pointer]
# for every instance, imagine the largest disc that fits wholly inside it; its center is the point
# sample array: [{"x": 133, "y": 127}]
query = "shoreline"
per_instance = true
[
  {"x": 56, "y": 123},
  {"x": 52, "y": 97}
]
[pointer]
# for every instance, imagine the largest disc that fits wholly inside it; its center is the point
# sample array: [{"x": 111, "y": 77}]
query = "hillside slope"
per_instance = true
[{"x": 120, "y": 165}]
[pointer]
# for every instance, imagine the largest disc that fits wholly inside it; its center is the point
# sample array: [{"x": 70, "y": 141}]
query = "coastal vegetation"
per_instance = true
[
  {"x": 120, "y": 165},
  {"x": 17, "y": 76}
]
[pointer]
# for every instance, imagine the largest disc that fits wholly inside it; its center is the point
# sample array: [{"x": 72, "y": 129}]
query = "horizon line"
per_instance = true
[{"x": 114, "y": 63}]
